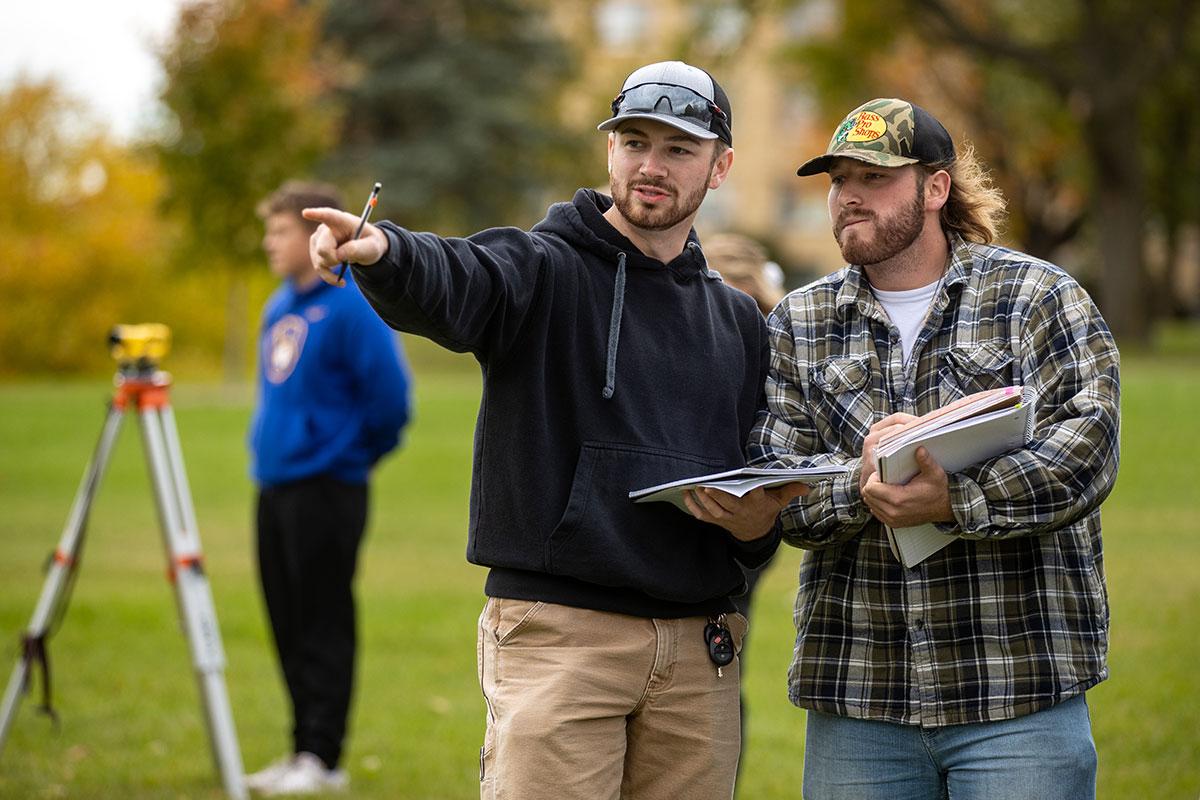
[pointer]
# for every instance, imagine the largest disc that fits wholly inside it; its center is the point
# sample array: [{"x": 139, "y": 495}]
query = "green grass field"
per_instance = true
[{"x": 131, "y": 724}]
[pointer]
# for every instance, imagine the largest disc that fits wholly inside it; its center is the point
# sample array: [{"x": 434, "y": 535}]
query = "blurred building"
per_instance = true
[{"x": 776, "y": 125}]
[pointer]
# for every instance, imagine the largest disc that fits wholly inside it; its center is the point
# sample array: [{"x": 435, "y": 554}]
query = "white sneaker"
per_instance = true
[
  {"x": 270, "y": 773},
  {"x": 304, "y": 774}
]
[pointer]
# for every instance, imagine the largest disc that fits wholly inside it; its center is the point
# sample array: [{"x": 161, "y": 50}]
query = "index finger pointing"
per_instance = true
[{"x": 341, "y": 223}]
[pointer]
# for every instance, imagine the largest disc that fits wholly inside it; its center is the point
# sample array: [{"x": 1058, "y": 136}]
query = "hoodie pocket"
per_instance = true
[{"x": 606, "y": 538}]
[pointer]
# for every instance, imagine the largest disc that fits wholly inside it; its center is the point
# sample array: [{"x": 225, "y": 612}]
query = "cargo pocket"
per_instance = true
[{"x": 606, "y": 538}]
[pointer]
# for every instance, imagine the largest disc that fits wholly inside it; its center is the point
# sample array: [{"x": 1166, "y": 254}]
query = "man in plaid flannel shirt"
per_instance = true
[{"x": 963, "y": 676}]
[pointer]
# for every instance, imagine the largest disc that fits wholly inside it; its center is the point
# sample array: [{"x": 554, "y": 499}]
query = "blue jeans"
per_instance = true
[{"x": 1048, "y": 755}]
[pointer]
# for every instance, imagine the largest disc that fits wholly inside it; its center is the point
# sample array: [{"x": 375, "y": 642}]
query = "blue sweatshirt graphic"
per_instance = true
[{"x": 333, "y": 388}]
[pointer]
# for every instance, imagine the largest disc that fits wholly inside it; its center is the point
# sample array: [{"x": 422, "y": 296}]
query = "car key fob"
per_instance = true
[{"x": 720, "y": 643}]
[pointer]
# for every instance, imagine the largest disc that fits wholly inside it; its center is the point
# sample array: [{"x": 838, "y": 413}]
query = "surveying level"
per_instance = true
[
  {"x": 140, "y": 385},
  {"x": 141, "y": 346}
]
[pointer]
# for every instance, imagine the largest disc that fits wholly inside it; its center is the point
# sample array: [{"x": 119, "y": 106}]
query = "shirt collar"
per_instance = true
[{"x": 856, "y": 290}]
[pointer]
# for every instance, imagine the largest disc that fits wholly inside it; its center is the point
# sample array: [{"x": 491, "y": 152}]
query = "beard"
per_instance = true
[
  {"x": 658, "y": 217},
  {"x": 893, "y": 234}
]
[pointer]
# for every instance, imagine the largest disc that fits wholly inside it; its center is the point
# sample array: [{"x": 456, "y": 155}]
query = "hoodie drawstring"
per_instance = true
[
  {"x": 698, "y": 253},
  {"x": 614, "y": 330}
]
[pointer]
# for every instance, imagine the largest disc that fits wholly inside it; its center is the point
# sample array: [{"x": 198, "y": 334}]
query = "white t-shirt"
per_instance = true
[{"x": 907, "y": 310}]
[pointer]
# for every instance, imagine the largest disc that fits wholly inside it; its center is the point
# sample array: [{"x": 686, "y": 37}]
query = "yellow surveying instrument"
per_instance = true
[{"x": 140, "y": 385}]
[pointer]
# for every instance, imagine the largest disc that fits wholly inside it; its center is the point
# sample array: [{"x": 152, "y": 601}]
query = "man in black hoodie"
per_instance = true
[{"x": 599, "y": 333}]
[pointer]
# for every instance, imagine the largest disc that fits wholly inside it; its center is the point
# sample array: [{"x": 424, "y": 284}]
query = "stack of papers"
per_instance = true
[
  {"x": 974, "y": 429},
  {"x": 735, "y": 481}
]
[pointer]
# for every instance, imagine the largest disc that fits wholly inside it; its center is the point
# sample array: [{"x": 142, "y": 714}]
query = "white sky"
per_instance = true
[{"x": 101, "y": 51}]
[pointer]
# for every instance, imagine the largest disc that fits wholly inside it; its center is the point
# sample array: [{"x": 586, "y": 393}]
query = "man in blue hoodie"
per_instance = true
[
  {"x": 598, "y": 333},
  {"x": 333, "y": 398}
]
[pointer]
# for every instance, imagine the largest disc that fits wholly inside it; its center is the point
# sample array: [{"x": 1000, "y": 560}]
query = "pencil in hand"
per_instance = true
[{"x": 366, "y": 213}]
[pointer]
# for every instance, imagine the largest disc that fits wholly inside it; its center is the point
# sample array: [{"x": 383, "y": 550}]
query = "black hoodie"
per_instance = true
[{"x": 604, "y": 371}]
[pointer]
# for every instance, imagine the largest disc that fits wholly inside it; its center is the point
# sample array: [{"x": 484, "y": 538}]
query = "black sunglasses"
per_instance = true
[{"x": 675, "y": 101}]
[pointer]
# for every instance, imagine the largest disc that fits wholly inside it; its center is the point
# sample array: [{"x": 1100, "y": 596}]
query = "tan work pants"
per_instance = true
[{"x": 600, "y": 706}]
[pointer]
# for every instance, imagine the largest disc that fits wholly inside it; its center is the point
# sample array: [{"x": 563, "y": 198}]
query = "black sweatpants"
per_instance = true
[{"x": 308, "y": 537}]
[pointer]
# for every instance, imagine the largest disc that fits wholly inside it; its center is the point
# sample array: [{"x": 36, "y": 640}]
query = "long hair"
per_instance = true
[{"x": 975, "y": 208}]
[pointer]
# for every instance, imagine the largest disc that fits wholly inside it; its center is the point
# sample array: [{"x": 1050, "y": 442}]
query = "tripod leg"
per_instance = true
[
  {"x": 192, "y": 592},
  {"x": 53, "y": 590}
]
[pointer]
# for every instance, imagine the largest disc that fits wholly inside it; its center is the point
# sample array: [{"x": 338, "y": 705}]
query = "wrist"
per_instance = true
[{"x": 751, "y": 541}]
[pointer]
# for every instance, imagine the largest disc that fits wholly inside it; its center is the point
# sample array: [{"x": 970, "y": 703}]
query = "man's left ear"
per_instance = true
[
  {"x": 720, "y": 168},
  {"x": 937, "y": 190}
]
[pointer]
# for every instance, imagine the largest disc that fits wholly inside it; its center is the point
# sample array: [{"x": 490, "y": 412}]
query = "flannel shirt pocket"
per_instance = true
[
  {"x": 974, "y": 368},
  {"x": 843, "y": 390}
]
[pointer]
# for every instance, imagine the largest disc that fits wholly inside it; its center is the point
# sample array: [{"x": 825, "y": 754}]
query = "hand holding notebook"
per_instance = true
[{"x": 968, "y": 431}]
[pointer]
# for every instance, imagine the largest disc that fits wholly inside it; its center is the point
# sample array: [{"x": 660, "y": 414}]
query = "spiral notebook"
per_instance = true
[{"x": 976, "y": 428}]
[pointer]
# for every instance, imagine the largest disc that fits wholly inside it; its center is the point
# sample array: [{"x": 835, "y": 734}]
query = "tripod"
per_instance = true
[{"x": 142, "y": 387}]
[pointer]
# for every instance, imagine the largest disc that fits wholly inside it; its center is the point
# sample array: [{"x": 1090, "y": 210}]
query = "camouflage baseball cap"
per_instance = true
[{"x": 888, "y": 133}]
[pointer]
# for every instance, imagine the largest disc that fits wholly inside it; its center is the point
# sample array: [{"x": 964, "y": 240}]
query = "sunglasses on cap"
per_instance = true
[{"x": 674, "y": 101}]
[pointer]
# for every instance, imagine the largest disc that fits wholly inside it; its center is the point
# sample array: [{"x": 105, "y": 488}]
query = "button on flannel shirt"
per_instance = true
[{"x": 1010, "y": 618}]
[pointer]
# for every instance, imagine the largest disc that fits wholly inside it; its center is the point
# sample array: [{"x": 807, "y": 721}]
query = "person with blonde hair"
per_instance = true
[{"x": 964, "y": 675}]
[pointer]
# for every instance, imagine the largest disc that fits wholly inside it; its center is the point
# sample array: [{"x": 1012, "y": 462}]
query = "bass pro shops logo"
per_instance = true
[{"x": 865, "y": 126}]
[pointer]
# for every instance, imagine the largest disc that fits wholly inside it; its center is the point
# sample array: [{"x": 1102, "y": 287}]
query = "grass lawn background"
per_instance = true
[{"x": 131, "y": 724}]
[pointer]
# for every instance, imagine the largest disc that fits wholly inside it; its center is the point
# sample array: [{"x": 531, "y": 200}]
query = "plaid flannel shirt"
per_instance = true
[{"x": 1013, "y": 616}]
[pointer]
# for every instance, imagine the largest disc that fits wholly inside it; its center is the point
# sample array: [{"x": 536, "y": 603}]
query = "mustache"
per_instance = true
[
  {"x": 847, "y": 217},
  {"x": 653, "y": 183}
]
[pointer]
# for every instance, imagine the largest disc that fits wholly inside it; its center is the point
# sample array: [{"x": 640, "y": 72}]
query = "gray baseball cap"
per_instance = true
[{"x": 677, "y": 94}]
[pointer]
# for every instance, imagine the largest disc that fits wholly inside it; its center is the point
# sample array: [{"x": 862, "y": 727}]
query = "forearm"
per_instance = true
[
  {"x": 463, "y": 295},
  {"x": 410, "y": 289},
  {"x": 1040, "y": 488},
  {"x": 1070, "y": 465},
  {"x": 831, "y": 513}
]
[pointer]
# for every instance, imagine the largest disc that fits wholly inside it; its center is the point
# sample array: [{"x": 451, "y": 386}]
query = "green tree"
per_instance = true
[
  {"x": 1056, "y": 94},
  {"x": 79, "y": 238},
  {"x": 244, "y": 94},
  {"x": 452, "y": 104},
  {"x": 1102, "y": 59},
  {"x": 1022, "y": 132},
  {"x": 1171, "y": 148}
]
